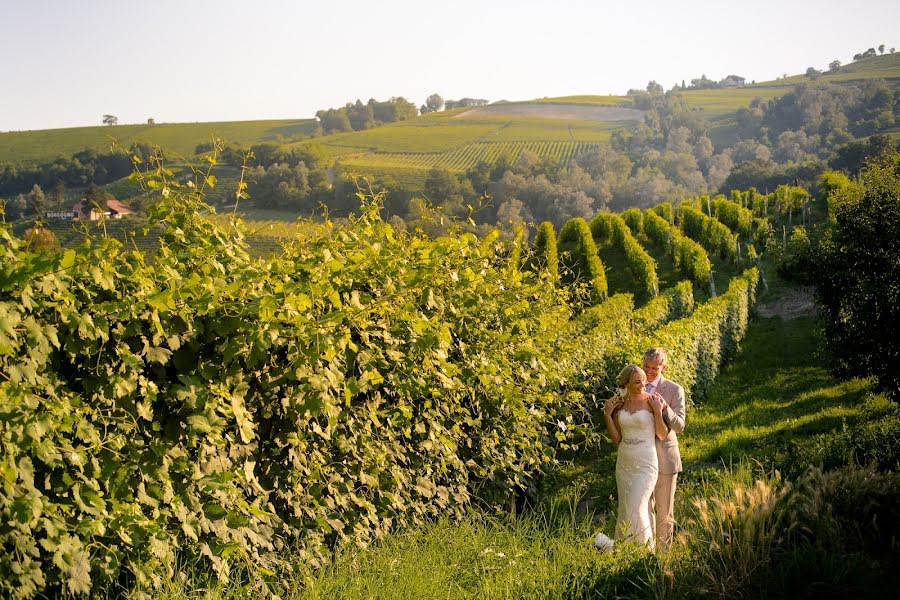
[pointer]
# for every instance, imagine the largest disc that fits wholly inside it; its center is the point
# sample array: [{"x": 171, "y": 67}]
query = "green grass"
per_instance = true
[
  {"x": 720, "y": 102},
  {"x": 176, "y": 138},
  {"x": 593, "y": 100},
  {"x": 769, "y": 406}
]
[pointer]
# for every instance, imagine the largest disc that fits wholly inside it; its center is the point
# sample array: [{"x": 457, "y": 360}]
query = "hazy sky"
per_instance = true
[{"x": 66, "y": 63}]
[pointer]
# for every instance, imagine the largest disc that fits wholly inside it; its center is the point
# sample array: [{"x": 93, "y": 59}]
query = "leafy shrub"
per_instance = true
[
  {"x": 41, "y": 239},
  {"x": 858, "y": 275},
  {"x": 221, "y": 407}
]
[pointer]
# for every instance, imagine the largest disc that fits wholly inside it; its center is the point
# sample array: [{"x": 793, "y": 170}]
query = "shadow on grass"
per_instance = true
[{"x": 772, "y": 399}]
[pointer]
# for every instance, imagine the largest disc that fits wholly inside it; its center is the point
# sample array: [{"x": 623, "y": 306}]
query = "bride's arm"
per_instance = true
[{"x": 610, "y": 409}]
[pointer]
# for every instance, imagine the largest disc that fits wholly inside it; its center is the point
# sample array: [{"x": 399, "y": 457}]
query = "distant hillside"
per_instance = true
[
  {"x": 685, "y": 143},
  {"x": 179, "y": 138}
]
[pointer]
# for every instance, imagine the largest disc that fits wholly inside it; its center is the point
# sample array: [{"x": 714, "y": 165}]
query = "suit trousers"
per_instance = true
[{"x": 664, "y": 499}]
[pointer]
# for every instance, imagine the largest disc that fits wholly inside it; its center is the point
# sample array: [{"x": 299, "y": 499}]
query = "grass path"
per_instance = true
[{"x": 768, "y": 405}]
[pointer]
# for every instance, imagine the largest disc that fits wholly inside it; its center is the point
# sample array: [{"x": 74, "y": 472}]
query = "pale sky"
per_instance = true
[{"x": 65, "y": 63}]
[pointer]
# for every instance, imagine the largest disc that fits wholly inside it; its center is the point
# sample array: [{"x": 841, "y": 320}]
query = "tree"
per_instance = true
[
  {"x": 434, "y": 103},
  {"x": 442, "y": 187},
  {"x": 834, "y": 65},
  {"x": 95, "y": 198},
  {"x": 59, "y": 193},
  {"x": 360, "y": 115},
  {"x": 654, "y": 88},
  {"x": 38, "y": 202},
  {"x": 110, "y": 120},
  {"x": 862, "y": 303},
  {"x": 813, "y": 73},
  {"x": 881, "y": 49},
  {"x": 334, "y": 120}
]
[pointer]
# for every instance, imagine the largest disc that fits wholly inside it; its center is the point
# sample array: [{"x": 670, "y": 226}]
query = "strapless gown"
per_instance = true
[{"x": 636, "y": 472}]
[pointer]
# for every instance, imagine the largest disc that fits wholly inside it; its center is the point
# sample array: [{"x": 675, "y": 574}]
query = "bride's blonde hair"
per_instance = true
[{"x": 624, "y": 377}]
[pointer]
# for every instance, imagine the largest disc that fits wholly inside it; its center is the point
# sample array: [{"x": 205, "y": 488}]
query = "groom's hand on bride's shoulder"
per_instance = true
[{"x": 612, "y": 405}]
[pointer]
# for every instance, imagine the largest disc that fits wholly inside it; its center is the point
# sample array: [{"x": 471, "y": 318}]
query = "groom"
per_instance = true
[{"x": 673, "y": 411}]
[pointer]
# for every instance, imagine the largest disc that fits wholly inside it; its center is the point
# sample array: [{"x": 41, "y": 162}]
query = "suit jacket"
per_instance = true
[{"x": 667, "y": 451}]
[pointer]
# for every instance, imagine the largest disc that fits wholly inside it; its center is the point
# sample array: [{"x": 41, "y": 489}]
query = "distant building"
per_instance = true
[
  {"x": 114, "y": 210},
  {"x": 151, "y": 121},
  {"x": 465, "y": 103},
  {"x": 732, "y": 81}
]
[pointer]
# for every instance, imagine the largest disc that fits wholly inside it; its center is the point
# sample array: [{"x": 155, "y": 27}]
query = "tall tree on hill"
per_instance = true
[
  {"x": 38, "y": 202},
  {"x": 110, "y": 120},
  {"x": 58, "y": 195},
  {"x": 334, "y": 120},
  {"x": 434, "y": 103},
  {"x": 360, "y": 115}
]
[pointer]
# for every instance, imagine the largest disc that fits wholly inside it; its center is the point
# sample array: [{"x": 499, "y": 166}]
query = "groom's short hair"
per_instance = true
[{"x": 657, "y": 354}]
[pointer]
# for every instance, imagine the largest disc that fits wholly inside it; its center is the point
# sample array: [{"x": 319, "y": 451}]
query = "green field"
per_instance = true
[
  {"x": 886, "y": 66},
  {"x": 597, "y": 100},
  {"x": 176, "y": 138}
]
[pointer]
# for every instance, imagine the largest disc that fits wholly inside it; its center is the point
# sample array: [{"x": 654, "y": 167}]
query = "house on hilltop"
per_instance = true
[
  {"x": 114, "y": 210},
  {"x": 732, "y": 81},
  {"x": 465, "y": 103}
]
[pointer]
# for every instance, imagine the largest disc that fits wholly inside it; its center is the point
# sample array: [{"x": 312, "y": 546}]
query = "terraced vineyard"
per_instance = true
[
  {"x": 466, "y": 157},
  {"x": 455, "y": 141}
]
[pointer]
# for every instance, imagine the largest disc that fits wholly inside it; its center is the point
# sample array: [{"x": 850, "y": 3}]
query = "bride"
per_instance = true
[{"x": 633, "y": 418}]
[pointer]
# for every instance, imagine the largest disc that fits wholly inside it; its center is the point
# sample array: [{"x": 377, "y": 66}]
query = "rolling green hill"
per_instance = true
[
  {"x": 178, "y": 138},
  {"x": 554, "y": 129}
]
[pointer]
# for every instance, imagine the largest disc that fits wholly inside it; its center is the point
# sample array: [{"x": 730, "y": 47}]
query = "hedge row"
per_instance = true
[
  {"x": 674, "y": 303},
  {"x": 665, "y": 211},
  {"x": 734, "y": 216},
  {"x": 689, "y": 257},
  {"x": 545, "y": 253},
  {"x": 710, "y": 232},
  {"x": 583, "y": 265},
  {"x": 697, "y": 345},
  {"x": 611, "y": 228},
  {"x": 634, "y": 219},
  {"x": 209, "y": 406}
]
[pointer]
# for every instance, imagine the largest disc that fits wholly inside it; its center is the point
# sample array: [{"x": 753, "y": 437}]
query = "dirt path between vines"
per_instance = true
[{"x": 791, "y": 303}]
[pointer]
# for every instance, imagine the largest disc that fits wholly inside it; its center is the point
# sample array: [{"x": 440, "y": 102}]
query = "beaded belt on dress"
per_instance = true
[{"x": 632, "y": 441}]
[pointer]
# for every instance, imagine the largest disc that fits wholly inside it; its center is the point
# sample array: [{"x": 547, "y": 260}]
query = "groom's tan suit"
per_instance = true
[{"x": 669, "y": 460}]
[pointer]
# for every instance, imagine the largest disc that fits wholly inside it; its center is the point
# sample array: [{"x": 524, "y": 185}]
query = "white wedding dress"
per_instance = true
[{"x": 636, "y": 472}]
